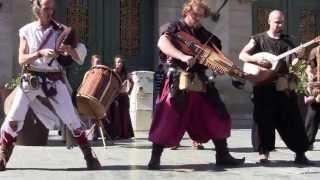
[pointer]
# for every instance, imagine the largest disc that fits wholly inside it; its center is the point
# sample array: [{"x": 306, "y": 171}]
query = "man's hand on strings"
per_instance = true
[
  {"x": 190, "y": 60},
  {"x": 263, "y": 63},
  {"x": 309, "y": 99},
  {"x": 47, "y": 52},
  {"x": 300, "y": 52},
  {"x": 65, "y": 49}
]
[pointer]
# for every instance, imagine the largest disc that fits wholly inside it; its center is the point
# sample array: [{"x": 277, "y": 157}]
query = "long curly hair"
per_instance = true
[
  {"x": 36, "y": 6},
  {"x": 123, "y": 73},
  {"x": 188, "y": 6}
]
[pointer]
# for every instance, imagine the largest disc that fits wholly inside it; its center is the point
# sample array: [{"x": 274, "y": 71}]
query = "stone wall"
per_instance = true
[
  {"x": 240, "y": 25},
  {"x": 13, "y": 14},
  {"x": 6, "y": 41},
  {"x": 233, "y": 28}
]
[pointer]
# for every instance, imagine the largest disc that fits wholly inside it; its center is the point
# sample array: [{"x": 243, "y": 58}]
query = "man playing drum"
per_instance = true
[{"x": 42, "y": 82}]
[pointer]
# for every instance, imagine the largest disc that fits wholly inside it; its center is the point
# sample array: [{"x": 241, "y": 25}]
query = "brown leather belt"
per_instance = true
[{"x": 53, "y": 76}]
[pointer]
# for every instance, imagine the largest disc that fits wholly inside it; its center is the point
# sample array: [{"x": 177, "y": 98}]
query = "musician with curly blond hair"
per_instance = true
[{"x": 195, "y": 109}]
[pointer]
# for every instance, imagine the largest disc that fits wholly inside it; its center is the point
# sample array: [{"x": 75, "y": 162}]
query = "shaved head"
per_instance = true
[
  {"x": 276, "y": 22},
  {"x": 275, "y": 14}
]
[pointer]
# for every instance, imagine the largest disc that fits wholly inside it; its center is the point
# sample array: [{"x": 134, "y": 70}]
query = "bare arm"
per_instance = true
[
  {"x": 65, "y": 50},
  {"x": 27, "y": 58},
  {"x": 74, "y": 54},
  {"x": 244, "y": 54},
  {"x": 24, "y": 56},
  {"x": 81, "y": 51},
  {"x": 309, "y": 73},
  {"x": 168, "y": 48}
]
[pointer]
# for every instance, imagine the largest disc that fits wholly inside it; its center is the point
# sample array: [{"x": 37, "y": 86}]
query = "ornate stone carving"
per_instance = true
[
  {"x": 129, "y": 27},
  {"x": 307, "y": 25},
  {"x": 262, "y": 14},
  {"x": 77, "y": 17}
]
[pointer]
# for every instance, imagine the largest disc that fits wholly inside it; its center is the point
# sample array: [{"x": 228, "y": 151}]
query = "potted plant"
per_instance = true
[{"x": 299, "y": 70}]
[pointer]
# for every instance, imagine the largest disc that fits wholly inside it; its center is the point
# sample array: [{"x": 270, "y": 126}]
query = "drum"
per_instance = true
[{"x": 97, "y": 91}]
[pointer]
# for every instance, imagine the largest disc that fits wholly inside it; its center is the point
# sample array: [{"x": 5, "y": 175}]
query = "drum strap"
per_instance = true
[{"x": 108, "y": 86}]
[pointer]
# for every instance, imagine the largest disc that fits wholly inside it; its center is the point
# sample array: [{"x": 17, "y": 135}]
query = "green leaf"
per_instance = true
[
  {"x": 299, "y": 70},
  {"x": 13, "y": 83}
]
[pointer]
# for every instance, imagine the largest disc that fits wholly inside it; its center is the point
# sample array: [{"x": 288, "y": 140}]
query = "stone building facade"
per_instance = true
[
  {"x": 13, "y": 14},
  {"x": 238, "y": 20}
]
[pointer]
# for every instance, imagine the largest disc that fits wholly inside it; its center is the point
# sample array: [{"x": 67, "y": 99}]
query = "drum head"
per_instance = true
[
  {"x": 99, "y": 66},
  {"x": 90, "y": 107}
]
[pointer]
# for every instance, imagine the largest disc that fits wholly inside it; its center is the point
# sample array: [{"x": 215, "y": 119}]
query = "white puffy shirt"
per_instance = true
[
  {"x": 34, "y": 37},
  {"x": 82, "y": 53}
]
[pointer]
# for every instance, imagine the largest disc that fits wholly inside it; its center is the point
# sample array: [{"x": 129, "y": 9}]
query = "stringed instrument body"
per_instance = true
[
  {"x": 65, "y": 37},
  {"x": 211, "y": 57},
  {"x": 260, "y": 74}
]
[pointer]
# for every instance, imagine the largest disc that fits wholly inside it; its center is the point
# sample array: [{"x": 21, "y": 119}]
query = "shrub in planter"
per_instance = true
[{"x": 300, "y": 71}]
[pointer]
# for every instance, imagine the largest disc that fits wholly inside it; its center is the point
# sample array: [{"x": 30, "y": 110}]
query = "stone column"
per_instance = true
[
  {"x": 6, "y": 39},
  {"x": 13, "y": 15}
]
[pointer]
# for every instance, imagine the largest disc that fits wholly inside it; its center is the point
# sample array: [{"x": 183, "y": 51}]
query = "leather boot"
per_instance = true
[
  {"x": 6, "y": 148},
  {"x": 154, "y": 163},
  {"x": 302, "y": 159},
  {"x": 91, "y": 159},
  {"x": 5, "y": 153},
  {"x": 223, "y": 156}
]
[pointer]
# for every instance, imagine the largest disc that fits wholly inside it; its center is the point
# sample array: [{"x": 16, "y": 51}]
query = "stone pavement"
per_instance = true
[{"x": 127, "y": 160}]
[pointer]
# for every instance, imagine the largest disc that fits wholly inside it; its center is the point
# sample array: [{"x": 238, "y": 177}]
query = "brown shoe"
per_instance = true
[
  {"x": 197, "y": 145},
  {"x": 301, "y": 159},
  {"x": 228, "y": 160},
  {"x": 223, "y": 156},
  {"x": 5, "y": 153},
  {"x": 264, "y": 158},
  {"x": 175, "y": 147},
  {"x": 93, "y": 163},
  {"x": 91, "y": 159},
  {"x": 154, "y": 163}
]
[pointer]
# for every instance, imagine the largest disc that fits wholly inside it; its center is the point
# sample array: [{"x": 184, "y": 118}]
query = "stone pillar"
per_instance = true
[
  {"x": 240, "y": 30},
  {"x": 13, "y": 15},
  {"x": 6, "y": 50}
]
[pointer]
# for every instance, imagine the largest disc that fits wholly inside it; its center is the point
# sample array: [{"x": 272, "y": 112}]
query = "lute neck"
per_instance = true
[{"x": 287, "y": 53}]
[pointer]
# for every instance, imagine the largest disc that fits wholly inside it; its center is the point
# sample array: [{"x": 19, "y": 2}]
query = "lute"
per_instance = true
[{"x": 260, "y": 74}]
